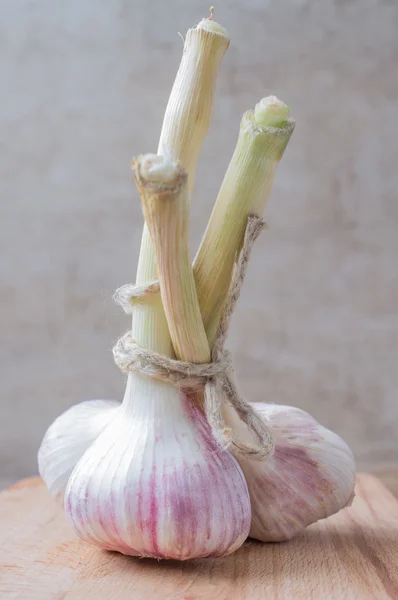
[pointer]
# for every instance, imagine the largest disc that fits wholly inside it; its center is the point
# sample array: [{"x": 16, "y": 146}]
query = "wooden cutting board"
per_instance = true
[{"x": 353, "y": 555}]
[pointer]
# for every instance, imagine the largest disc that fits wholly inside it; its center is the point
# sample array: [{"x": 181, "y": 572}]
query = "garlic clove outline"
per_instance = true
[
  {"x": 155, "y": 483},
  {"x": 67, "y": 439},
  {"x": 310, "y": 476}
]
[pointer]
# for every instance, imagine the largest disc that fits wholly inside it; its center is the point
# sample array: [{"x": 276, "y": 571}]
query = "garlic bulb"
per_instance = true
[
  {"x": 310, "y": 476},
  {"x": 284, "y": 493},
  {"x": 155, "y": 482},
  {"x": 67, "y": 439}
]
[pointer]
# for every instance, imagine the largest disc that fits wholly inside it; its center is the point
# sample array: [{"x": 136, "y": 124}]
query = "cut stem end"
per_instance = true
[{"x": 271, "y": 112}]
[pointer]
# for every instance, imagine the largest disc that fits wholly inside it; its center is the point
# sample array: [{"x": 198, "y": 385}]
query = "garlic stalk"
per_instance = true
[
  {"x": 185, "y": 125},
  {"x": 310, "y": 476},
  {"x": 155, "y": 482},
  {"x": 167, "y": 218},
  {"x": 263, "y": 137},
  {"x": 169, "y": 223}
]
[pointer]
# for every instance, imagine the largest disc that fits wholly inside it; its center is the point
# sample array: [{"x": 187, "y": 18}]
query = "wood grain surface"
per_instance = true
[
  {"x": 353, "y": 555},
  {"x": 389, "y": 476}
]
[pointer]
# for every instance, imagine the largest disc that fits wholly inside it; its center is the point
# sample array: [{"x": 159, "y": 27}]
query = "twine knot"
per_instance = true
[{"x": 215, "y": 378}]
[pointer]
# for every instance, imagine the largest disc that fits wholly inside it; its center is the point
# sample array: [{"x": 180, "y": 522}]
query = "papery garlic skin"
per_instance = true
[
  {"x": 155, "y": 483},
  {"x": 310, "y": 476},
  {"x": 67, "y": 439}
]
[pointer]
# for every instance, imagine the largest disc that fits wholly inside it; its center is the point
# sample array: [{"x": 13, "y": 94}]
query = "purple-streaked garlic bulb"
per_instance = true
[
  {"x": 67, "y": 439},
  {"x": 307, "y": 457},
  {"x": 310, "y": 476},
  {"x": 156, "y": 483}
]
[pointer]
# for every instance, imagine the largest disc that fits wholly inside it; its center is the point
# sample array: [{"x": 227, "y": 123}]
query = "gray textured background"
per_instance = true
[{"x": 83, "y": 88}]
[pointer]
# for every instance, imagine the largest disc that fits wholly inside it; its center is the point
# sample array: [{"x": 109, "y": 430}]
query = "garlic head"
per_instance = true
[
  {"x": 155, "y": 483},
  {"x": 310, "y": 476}
]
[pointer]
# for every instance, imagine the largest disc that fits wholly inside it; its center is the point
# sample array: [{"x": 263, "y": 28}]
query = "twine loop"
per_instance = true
[{"x": 215, "y": 378}]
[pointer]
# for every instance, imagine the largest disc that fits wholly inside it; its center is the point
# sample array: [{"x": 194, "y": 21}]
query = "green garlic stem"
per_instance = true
[
  {"x": 163, "y": 189},
  {"x": 184, "y": 129},
  {"x": 244, "y": 191}
]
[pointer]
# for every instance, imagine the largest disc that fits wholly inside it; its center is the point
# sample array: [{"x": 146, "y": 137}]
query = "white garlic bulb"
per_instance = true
[
  {"x": 156, "y": 483},
  {"x": 283, "y": 500},
  {"x": 67, "y": 439},
  {"x": 310, "y": 476}
]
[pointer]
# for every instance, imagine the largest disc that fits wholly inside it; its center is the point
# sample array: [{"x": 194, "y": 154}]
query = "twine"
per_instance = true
[{"x": 216, "y": 378}]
